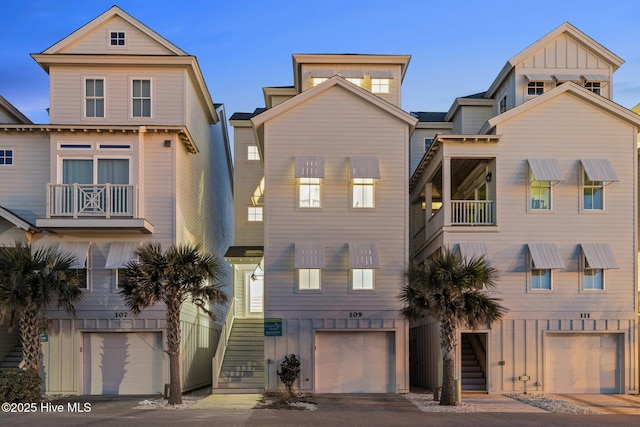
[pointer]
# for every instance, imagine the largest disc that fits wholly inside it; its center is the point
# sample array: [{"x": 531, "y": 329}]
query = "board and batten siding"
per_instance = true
[
  {"x": 167, "y": 95},
  {"x": 97, "y": 42}
]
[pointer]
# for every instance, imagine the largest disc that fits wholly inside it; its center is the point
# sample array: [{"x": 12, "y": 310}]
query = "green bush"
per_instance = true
[
  {"x": 290, "y": 369},
  {"x": 20, "y": 386}
]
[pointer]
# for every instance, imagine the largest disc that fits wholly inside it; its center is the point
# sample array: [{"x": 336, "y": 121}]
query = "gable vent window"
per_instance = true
[{"x": 117, "y": 38}]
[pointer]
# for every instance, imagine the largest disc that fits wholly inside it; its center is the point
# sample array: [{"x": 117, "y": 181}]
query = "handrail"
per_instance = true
[
  {"x": 223, "y": 341},
  {"x": 92, "y": 200},
  {"x": 472, "y": 212}
]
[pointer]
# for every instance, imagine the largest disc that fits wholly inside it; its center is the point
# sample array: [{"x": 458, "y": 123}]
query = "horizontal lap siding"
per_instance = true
[
  {"x": 335, "y": 125},
  {"x": 246, "y": 178}
]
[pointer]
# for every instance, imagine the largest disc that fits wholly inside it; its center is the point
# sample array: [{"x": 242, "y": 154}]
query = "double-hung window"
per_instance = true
[
  {"x": 363, "y": 261},
  {"x": 309, "y": 262},
  {"x": 79, "y": 252},
  {"x": 6, "y": 157},
  {"x": 364, "y": 171},
  {"x": 596, "y": 174},
  {"x": 309, "y": 171},
  {"x": 94, "y": 97},
  {"x": 141, "y": 98},
  {"x": 119, "y": 256},
  {"x": 596, "y": 258},
  {"x": 543, "y": 259},
  {"x": 543, "y": 175}
]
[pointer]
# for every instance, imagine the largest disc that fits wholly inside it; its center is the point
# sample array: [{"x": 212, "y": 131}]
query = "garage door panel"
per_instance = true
[
  {"x": 583, "y": 363},
  {"x": 355, "y": 362},
  {"x": 122, "y": 363}
]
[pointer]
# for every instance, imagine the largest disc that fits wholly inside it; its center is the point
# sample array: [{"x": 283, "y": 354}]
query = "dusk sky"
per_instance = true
[{"x": 457, "y": 47}]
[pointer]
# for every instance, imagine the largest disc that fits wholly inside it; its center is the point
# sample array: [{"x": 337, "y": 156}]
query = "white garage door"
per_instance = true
[
  {"x": 583, "y": 363},
  {"x": 355, "y": 362},
  {"x": 123, "y": 363}
]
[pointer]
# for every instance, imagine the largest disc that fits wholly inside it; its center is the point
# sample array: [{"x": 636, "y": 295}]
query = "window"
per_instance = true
[
  {"x": 541, "y": 278},
  {"x": 116, "y": 38},
  {"x": 95, "y": 171},
  {"x": 427, "y": 143},
  {"x": 309, "y": 279},
  {"x": 141, "y": 98},
  {"x": 6, "y": 157},
  {"x": 362, "y": 279},
  {"x": 315, "y": 81},
  {"x": 363, "y": 192},
  {"x": 364, "y": 170},
  {"x": 309, "y": 193},
  {"x": 593, "y": 87},
  {"x": 502, "y": 105},
  {"x": 596, "y": 258},
  {"x": 593, "y": 277},
  {"x": 355, "y": 80},
  {"x": 540, "y": 192},
  {"x": 255, "y": 214},
  {"x": 80, "y": 274},
  {"x": 535, "y": 88},
  {"x": 120, "y": 278},
  {"x": 94, "y": 98},
  {"x": 252, "y": 153},
  {"x": 380, "y": 85},
  {"x": 592, "y": 194}
]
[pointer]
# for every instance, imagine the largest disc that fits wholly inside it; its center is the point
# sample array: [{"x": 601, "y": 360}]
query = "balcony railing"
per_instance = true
[
  {"x": 90, "y": 200},
  {"x": 472, "y": 212}
]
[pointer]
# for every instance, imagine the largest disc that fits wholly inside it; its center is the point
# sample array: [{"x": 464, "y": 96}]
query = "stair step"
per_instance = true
[
  {"x": 473, "y": 374},
  {"x": 473, "y": 381}
]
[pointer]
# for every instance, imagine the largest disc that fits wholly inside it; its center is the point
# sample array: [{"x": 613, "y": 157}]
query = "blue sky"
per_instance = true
[{"x": 457, "y": 46}]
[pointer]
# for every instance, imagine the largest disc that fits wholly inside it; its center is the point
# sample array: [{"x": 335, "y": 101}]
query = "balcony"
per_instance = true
[
  {"x": 110, "y": 207},
  {"x": 472, "y": 212}
]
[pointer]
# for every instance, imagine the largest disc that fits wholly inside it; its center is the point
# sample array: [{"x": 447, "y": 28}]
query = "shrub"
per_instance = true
[
  {"x": 20, "y": 386},
  {"x": 290, "y": 370}
]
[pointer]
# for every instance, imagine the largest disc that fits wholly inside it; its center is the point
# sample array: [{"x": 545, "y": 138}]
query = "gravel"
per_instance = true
[
  {"x": 424, "y": 401},
  {"x": 550, "y": 403}
]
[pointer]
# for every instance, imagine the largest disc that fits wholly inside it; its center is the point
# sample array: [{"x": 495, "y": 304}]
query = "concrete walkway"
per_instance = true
[
  {"x": 605, "y": 403},
  {"x": 498, "y": 403},
  {"x": 228, "y": 401}
]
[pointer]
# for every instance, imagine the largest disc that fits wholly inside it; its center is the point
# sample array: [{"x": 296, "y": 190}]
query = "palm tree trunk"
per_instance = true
[
  {"x": 448, "y": 346},
  {"x": 173, "y": 344},
  {"x": 30, "y": 339}
]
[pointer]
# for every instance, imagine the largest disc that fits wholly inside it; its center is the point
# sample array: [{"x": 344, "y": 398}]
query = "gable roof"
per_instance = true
[
  {"x": 565, "y": 28},
  {"x": 17, "y": 221},
  {"x": 566, "y": 88},
  {"x": 20, "y": 118},
  {"x": 114, "y": 11}
]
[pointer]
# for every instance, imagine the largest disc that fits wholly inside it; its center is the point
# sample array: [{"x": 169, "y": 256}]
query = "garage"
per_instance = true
[
  {"x": 355, "y": 362},
  {"x": 123, "y": 363},
  {"x": 583, "y": 363}
]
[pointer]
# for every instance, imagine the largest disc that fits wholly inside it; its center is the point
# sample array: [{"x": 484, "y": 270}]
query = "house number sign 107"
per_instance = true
[{"x": 120, "y": 314}]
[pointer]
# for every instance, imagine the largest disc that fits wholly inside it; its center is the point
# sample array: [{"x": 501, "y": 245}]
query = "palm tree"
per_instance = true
[
  {"x": 30, "y": 281},
  {"x": 451, "y": 289},
  {"x": 171, "y": 277}
]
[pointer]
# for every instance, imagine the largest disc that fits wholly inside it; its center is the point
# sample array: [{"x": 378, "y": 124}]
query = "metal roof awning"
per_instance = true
[
  {"x": 539, "y": 77},
  {"x": 309, "y": 167},
  {"x": 120, "y": 253},
  {"x": 545, "y": 256},
  {"x": 595, "y": 77},
  {"x": 244, "y": 252},
  {"x": 381, "y": 74},
  {"x": 475, "y": 251},
  {"x": 599, "y": 255},
  {"x": 309, "y": 255},
  {"x": 567, "y": 78},
  {"x": 546, "y": 170},
  {"x": 79, "y": 250},
  {"x": 364, "y": 167},
  {"x": 363, "y": 255},
  {"x": 599, "y": 170}
]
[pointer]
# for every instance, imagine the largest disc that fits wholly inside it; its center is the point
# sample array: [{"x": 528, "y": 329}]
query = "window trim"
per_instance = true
[
  {"x": 4, "y": 157},
  {"x": 380, "y": 85},
  {"x": 300, "y": 185},
  {"x": 298, "y": 287},
  {"x": 253, "y": 155},
  {"x": 590, "y": 85},
  {"x": 94, "y": 98},
  {"x": 132, "y": 79},
  {"x": 255, "y": 214},
  {"x": 583, "y": 186},
  {"x": 531, "y": 187},
  {"x": 536, "y": 86},
  {"x": 94, "y": 158},
  {"x": 110, "y": 38},
  {"x": 583, "y": 277},
  {"x": 355, "y": 184},
  {"x": 531, "y": 275},
  {"x": 353, "y": 289}
]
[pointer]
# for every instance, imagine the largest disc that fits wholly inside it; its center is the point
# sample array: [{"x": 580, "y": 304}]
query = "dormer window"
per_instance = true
[{"x": 117, "y": 38}]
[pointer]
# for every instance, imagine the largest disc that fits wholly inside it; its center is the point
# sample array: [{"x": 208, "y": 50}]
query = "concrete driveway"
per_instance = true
[{"x": 606, "y": 403}]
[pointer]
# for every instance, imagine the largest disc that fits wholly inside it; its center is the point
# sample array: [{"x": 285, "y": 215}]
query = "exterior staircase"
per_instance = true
[
  {"x": 473, "y": 378},
  {"x": 13, "y": 359},
  {"x": 243, "y": 365}
]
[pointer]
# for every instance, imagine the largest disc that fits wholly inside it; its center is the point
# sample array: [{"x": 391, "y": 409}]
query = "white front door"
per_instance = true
[{"x": 254, "y": 301}]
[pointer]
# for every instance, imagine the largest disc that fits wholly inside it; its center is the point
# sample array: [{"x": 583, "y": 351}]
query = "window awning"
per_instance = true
[
  {"x": 539, "y": 77},
  {"x": 323, "y": 74},
  {"x": 595, "y": 77},
  {"x": 363, "y": 255},
  {"x": 599, "y": 170},
  {"x": 364, "y": 167},
  {"x": 567, "y": 78},
  {"x": 309, "y": 255},
  {"x": 599, "y": 255},
  {"x": 79, "y": 250},
  {"x": 545, "y": 255},
  {"x": 352, "y": 74},
  {"x": 256, "y": 199},
  {"x": 546, "y": 170},
  {"x": 381, "y": 74},
  {"x": 469, "y": 251},
  {"x": 309, "y": 167},
  {"x": 120, "y": 253}
]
